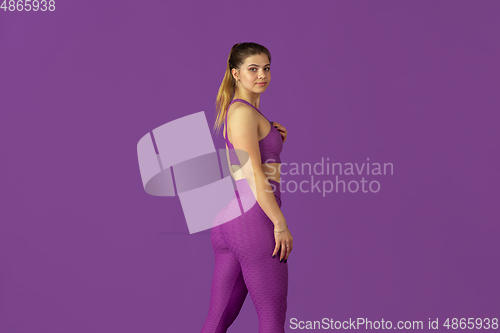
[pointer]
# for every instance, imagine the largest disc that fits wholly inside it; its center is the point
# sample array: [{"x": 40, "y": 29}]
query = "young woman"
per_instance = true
[{"x": 252, "y": 249}]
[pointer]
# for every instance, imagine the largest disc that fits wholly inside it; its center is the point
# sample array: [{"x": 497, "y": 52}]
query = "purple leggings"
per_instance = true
[{"x": 244, "y": 264}]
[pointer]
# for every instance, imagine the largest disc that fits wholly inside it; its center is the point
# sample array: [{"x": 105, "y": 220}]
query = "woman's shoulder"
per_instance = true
[
  {"x": 241, "y": 112},
  {"x": 241, "y": 117}
]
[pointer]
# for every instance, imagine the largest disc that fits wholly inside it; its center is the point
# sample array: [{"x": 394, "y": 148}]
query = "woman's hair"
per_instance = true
[{"x": 237, "y": 56}]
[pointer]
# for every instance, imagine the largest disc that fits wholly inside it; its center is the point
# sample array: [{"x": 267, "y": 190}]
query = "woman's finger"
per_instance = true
[
  {"x": 276, "y": 249},
  {"x": 288, "y": 250},
  {"x": 283, "y": 251},
  {"x": 279, "y": 127}
]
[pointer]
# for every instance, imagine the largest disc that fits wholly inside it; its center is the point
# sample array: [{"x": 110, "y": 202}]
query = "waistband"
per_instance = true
[{"x": 243, "y": 187}]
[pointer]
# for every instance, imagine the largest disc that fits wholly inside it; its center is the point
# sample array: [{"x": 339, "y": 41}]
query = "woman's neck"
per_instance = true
[{"x": 254, "y": 100}]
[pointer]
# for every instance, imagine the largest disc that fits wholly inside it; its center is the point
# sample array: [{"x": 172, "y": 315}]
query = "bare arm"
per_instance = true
[{"x": 244, "y": 134}]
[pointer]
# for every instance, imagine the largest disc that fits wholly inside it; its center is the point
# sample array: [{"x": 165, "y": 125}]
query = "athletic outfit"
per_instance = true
[{"x": 243, "y": 249}]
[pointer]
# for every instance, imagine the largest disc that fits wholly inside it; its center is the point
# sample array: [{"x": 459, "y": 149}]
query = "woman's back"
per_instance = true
[{"x": 270, "y": 145}]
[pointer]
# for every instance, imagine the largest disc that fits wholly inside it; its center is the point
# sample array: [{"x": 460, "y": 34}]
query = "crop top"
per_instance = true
[{"x": 270, "y": 146}]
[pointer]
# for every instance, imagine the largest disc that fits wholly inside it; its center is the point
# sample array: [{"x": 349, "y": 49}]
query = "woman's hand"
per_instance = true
[
  {"x": 282, "y": 130},
  {"x": 284, "y": 240}
]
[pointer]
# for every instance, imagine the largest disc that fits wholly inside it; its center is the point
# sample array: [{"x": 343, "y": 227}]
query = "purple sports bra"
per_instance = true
[{"x": 270, "y": 147}]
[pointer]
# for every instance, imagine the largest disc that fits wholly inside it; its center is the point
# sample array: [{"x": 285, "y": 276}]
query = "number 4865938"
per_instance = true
[{"x": 28, "y": 5}]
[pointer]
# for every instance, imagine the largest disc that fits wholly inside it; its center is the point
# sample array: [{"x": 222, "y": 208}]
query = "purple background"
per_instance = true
[{"x": 83, "y": 248}]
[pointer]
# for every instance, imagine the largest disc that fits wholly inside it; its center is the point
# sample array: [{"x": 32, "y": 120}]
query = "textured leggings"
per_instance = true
[{"x": 244, "y": 264}]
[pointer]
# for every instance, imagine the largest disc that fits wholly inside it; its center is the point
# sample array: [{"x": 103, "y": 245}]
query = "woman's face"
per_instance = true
[{"x": 256, "y": 69}]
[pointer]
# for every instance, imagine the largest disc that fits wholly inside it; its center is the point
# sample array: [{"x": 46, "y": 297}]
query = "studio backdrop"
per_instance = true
[{"x": 110, "y": 165}]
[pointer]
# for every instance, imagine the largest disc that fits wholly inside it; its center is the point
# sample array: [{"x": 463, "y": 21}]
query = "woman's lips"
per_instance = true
[{"x": 262, "y": 83}]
